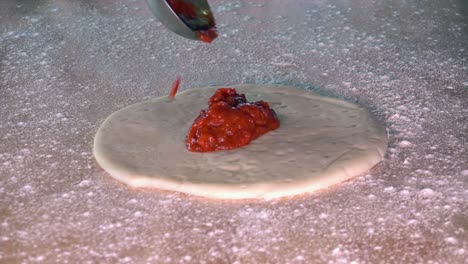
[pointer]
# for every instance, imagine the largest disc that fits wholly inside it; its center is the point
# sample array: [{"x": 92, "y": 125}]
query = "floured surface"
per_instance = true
[
  {"x": 321, "y": 141},
  {"x": 65, "y": 66}
]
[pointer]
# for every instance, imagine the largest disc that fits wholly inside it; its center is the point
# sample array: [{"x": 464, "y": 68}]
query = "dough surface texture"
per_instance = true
[{"x": 321, "y": 141}]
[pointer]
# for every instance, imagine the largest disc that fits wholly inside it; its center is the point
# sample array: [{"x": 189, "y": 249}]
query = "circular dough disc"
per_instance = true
[{"x": 321, "y": 141}]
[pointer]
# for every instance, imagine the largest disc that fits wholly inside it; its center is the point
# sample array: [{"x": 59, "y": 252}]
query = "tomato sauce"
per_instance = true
[
  {"x": 207, "y": 35},
  {"x": 230, "y": 122},
  {"x": 183, "y": 8}
]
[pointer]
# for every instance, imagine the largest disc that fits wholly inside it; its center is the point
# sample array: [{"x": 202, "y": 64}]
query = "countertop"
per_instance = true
[{"x": 66, "y": 65}]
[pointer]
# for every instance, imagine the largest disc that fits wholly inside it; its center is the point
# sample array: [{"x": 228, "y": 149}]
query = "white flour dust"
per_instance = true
[{"x": 66, "y": 65}]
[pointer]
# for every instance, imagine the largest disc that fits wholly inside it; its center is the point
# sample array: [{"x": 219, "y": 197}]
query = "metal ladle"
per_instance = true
[{"x": 188, "y": 18}]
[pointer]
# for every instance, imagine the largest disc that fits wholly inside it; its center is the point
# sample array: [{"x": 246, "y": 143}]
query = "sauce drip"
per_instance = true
[{"x": 174, "y": 88}]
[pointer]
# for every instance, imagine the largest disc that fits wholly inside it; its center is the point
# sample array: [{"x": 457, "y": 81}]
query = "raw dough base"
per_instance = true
[{"x": 321, "y": 141}]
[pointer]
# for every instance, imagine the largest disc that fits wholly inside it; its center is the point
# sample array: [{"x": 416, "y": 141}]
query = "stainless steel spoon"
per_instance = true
[{"x": 192, "y": 19}]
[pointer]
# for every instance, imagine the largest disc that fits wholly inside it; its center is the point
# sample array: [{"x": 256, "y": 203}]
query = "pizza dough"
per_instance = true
[{"x": 321, "y": 141}]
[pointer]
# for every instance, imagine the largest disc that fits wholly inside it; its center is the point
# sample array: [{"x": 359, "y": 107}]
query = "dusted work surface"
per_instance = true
[{"x": 66, "y": 65}]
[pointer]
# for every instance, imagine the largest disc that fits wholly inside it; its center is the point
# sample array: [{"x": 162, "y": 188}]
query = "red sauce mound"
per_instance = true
[{"x": 230, "y": 122}]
